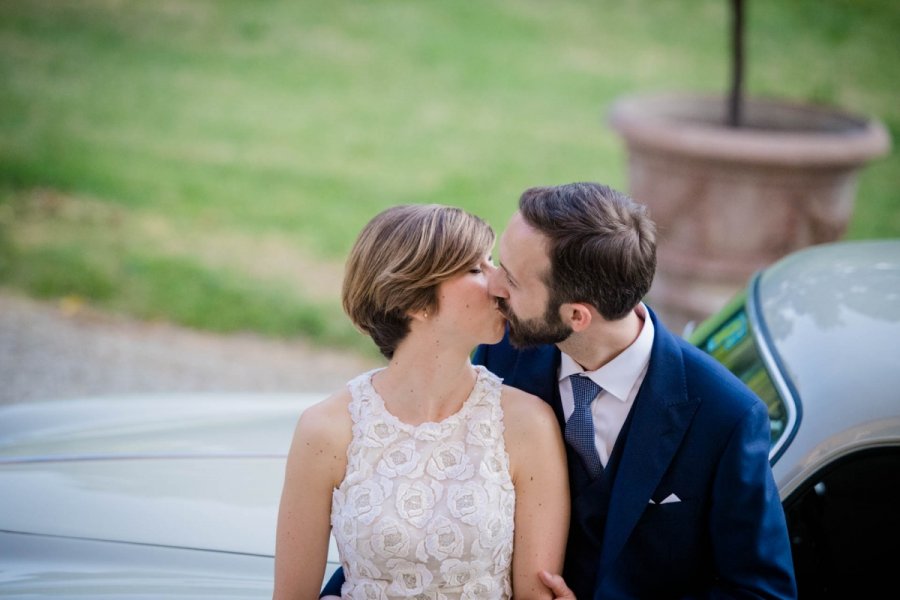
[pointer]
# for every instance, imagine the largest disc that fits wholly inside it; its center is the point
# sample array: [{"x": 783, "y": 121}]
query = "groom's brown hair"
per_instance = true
[{"x": 601, "y": 245}]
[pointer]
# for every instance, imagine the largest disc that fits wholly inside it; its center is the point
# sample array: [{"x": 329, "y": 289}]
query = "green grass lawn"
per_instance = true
[{"x": 210, "y": 162}]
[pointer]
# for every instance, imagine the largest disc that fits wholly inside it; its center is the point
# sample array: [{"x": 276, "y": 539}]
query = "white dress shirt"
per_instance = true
[{"x": 620, "y": 380}]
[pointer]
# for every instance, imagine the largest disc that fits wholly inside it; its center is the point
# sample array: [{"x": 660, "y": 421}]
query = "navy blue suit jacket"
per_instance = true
[{"x": 695, "y": 431}]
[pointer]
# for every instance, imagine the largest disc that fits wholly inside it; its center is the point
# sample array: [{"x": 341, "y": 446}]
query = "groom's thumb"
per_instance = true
[{"x": 557, "y": 585}]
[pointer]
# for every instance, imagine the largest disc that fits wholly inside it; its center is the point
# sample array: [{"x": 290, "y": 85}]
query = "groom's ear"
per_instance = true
[{"x": 577, "y": 315}]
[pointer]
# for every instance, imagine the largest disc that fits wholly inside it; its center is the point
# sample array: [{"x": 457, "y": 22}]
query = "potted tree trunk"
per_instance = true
[{"x": 734, "y": 184}]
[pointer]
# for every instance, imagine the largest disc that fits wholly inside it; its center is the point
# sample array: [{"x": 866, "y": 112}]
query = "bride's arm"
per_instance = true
[
  {"x": 315, "y": 465},
  {"x": 540, "y": 476}
]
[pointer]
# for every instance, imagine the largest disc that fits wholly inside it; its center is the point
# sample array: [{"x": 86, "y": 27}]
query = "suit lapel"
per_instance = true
[{"x": 662, "y": 414}]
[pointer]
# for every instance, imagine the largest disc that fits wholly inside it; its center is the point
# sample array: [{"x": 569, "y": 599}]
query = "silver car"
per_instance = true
[
  {"x": 177, "y": 497},
  {"x": 817, "y": 336}
]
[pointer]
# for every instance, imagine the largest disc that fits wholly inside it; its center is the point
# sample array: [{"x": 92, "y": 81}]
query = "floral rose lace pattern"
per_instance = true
[{"x": 426, "y": 511}]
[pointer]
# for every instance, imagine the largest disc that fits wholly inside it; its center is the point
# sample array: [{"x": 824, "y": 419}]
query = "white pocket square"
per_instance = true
[{"x": 671, "y": 498}]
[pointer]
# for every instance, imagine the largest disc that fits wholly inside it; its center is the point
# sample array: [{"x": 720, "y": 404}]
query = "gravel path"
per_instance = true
[{"x": 59, "y": 351}]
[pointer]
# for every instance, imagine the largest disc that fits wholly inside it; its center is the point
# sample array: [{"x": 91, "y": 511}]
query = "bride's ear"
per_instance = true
[{"x": 418, "y": 315}]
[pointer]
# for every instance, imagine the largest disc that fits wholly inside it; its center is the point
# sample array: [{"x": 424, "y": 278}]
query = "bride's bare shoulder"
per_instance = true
[
  {"x": 327, "y": 421},
  {"x": 525, "y": 413}
]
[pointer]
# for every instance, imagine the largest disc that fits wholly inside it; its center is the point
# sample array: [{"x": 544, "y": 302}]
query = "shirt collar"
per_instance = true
[{"x": 619, "y": 375}]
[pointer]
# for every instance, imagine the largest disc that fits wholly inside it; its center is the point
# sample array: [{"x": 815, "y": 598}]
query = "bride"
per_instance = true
[{"x": 436, "y": 480}]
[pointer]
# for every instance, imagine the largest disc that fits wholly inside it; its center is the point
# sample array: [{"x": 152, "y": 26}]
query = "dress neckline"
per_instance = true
[{"x": 427, "y": 426}]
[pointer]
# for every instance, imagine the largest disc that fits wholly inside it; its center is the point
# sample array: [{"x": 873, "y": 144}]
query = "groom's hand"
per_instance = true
[{"x": 557, "y": 585}]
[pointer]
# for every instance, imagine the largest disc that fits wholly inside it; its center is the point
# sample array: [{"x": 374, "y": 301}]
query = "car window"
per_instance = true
[
  {"x": 727, "y": 337},
  {"x": 845, "y": 527}
]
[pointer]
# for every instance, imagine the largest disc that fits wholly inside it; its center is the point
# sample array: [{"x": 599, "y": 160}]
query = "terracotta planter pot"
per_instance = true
[{"x": 730, "y": 201}]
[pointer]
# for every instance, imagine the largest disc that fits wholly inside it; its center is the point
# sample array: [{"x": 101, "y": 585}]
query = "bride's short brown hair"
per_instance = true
[{"x": 398, "y": 261}]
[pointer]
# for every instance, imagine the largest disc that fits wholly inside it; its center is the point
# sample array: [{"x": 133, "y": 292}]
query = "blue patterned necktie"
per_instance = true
[{"x": 580, "y": 426}]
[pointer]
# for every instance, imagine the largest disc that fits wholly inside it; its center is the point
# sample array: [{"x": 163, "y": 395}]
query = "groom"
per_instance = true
[{"x": 672, "y": 493}]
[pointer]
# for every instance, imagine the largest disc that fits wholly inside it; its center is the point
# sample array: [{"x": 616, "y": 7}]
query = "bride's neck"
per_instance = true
[{"x": 425, "y": 386}]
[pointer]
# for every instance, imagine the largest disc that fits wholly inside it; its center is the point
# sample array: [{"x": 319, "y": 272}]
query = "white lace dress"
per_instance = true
[{"x": 426, "y": 511}]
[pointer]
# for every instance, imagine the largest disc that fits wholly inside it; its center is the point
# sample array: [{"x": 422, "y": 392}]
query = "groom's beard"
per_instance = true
[{"x": 524, "y": 333}]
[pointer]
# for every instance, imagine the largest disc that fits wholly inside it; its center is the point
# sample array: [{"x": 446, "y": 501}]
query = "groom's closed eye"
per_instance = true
[{"x": 509, "y": 278}]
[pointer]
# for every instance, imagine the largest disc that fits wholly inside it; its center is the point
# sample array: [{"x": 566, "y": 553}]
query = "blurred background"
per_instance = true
[{"x": 209, "y": 163}]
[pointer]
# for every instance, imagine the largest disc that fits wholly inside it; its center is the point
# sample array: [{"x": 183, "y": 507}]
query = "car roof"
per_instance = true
[
  {"x": 146, "y": 425},
  {"x": 124, "y": 496},
  {"x": 830, "y": 314},
  {"x": 199, "y": 472}
]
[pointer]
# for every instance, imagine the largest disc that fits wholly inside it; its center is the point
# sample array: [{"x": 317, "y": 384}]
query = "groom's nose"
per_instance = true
[{"x": 497, "y": 283}]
